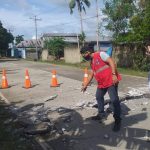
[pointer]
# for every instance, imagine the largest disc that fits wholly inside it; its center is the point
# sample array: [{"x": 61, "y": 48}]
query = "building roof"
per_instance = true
[
  {"x": 73, "y": 37},
  {"x": 59, "y": 35},
  {"x": 68, "y": 37},
  {"x": 101, "y": 38},
  {"x": 30, "y": 44}
]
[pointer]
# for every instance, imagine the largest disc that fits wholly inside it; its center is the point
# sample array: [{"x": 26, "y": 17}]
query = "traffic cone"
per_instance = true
[
  {"x": 27, "y": 83},
  {"x": 85, "y": 79},
  {"x": 54, "y": 82},
  {"x": 4, "y": 80}
]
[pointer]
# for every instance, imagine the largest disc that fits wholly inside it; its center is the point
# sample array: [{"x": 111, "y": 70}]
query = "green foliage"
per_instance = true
[
  {"x": 5, "y": 39},
  {"x": 72, "y": 5},
  {"x": 129, "y": 21},
  {"x": 118, "y": 12},
  {"x": 19, "y": 38},
  {"x": 140, "y": 23},
  {"x": 55, "y": 46},
  {"x": 140, "y": 61},
  {"x": 81, "y": 7},
  {"x": 82, "y": 38},
  {"x": 80, "y": 3}
]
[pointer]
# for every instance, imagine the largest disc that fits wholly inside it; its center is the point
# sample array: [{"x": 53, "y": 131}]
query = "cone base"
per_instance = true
[
  {"x": 5, "y": 87},
  {"x": 54, "y": 85},
  {"x": 27, "y": 87}
]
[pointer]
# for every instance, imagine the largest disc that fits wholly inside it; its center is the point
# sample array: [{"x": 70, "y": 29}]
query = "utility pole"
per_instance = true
[
  {"x": 78, "y": 42},
  {"x": 35, "y": 19},
  {"x": 97, "y": 16}
]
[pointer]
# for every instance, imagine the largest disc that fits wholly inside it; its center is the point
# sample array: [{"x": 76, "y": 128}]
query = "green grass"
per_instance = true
[
  {"x": 132, "y": 72},
  {"x": 126, "y": 71},
  {"x": 62, "y": 62}
]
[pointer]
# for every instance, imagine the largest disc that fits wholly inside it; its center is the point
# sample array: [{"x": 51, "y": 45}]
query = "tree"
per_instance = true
[
  {"x": 118, "y": 13},
  {"x": 55, "y": 46},
  {"x": 82, "y": 38},
  {"x": 140, "y": 22},
  {"x": 5, "y": 38},
  {"x": 81, "y": 7},
  {"x": 19, "y": 38},
  {"x": 130, "y": 23}
]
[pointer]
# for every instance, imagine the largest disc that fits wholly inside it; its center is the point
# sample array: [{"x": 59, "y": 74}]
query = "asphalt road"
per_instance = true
[{"x": 125, "y": 85}]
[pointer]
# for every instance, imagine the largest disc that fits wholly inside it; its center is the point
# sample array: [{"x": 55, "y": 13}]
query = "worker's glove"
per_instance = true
[{"x": 115, "y": 79}]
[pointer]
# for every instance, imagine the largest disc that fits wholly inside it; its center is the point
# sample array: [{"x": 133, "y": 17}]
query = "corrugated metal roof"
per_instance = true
[
  {"x": 68, "y": 37},
  {"x": 59, "y": 35},
  {"x": 72, "y": 37},
  {"x": 30, "y": 43}
]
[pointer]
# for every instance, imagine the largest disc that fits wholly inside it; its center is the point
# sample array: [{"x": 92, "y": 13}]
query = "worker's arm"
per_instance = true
[
  {"x": 84, "y": 86},
  {"x": 111, "y": 63}
]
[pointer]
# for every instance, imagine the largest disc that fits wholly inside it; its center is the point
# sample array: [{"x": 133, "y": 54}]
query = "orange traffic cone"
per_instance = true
[
  {"x": 85, "y": 79},
  {"x": 27, "y": 83},
  {"x": 54, "y": 82},
  {"x": 4, "y": 80}
]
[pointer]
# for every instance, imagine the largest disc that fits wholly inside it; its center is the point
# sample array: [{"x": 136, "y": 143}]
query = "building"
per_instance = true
[
  {"x": 27, "y": 48},
  {"x": 72, "y": 50}
]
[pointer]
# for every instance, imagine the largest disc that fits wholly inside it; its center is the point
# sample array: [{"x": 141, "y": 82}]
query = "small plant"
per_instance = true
[{"x": 55, "y": 47}]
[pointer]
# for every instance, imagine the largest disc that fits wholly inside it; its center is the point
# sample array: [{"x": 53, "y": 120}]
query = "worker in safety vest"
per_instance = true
[{"x": 107, "y": 77}]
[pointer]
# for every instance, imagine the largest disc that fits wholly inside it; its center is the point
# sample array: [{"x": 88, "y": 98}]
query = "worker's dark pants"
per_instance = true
[{"x": 113, "y": 94}]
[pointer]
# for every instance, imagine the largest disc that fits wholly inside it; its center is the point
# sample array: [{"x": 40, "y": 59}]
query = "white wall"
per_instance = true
[{"x": 44, "y": 55}]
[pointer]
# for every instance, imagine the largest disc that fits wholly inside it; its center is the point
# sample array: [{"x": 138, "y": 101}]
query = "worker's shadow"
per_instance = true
[{"x": 80, "y": 134}]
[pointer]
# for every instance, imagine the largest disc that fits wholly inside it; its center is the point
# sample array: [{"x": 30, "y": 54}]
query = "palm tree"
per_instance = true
[{"x": 81, "y": 7}]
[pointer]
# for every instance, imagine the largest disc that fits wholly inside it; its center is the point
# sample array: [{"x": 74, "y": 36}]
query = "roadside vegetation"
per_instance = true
[
  {"x": 129, "y": 23},
  {"x": 82, "y": 65}
]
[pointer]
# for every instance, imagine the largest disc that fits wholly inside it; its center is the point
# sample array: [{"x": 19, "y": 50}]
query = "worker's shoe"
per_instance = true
[
  {"x": 99, "y": 118},
  {"x": 117, "y": 125}
]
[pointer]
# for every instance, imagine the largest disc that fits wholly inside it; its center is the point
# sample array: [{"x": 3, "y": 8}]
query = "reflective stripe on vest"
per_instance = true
[{"x": 101, "y": 69}]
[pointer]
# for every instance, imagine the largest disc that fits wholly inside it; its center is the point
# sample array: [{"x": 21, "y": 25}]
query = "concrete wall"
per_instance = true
[
  {"x": 72, "y": 54},
  {"x": 44, "y": 55},
  {"x": 123, "y": 55},
  {"x": 31, "y": 55}
]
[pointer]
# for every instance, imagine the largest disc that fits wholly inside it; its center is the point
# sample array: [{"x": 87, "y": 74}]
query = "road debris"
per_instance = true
[
  {"x": 106, "y": 136},
  {"x": 51, "y": 98}
]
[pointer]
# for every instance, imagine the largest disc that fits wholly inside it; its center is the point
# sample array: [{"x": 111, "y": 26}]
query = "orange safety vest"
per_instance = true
[{"x": 102, "y": 71}]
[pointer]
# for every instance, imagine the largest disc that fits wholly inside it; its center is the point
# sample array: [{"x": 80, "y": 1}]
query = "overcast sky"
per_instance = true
[{"x": 54, "y": 14}]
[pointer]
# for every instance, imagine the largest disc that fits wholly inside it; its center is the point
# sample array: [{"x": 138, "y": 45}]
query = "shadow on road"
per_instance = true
[{"x": 67, "y": 130}]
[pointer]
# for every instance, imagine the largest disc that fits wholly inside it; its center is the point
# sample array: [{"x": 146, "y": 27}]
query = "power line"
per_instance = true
[{"x": 74, "y": 21}]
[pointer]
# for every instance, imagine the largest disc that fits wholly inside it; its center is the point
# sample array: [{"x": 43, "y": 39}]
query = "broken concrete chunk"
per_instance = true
[
  {"x": 106, "y": 136},
  {"x": 41, "y": 128},
  {"x": 51, "y": 98},
  {"x": 80, "y": 104},
  {"x": 8, "y": 121},
  {"x": 134, "y": 92},
  {"x": 144, "y": 103},
  {"x": 67, "y": 119}
]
